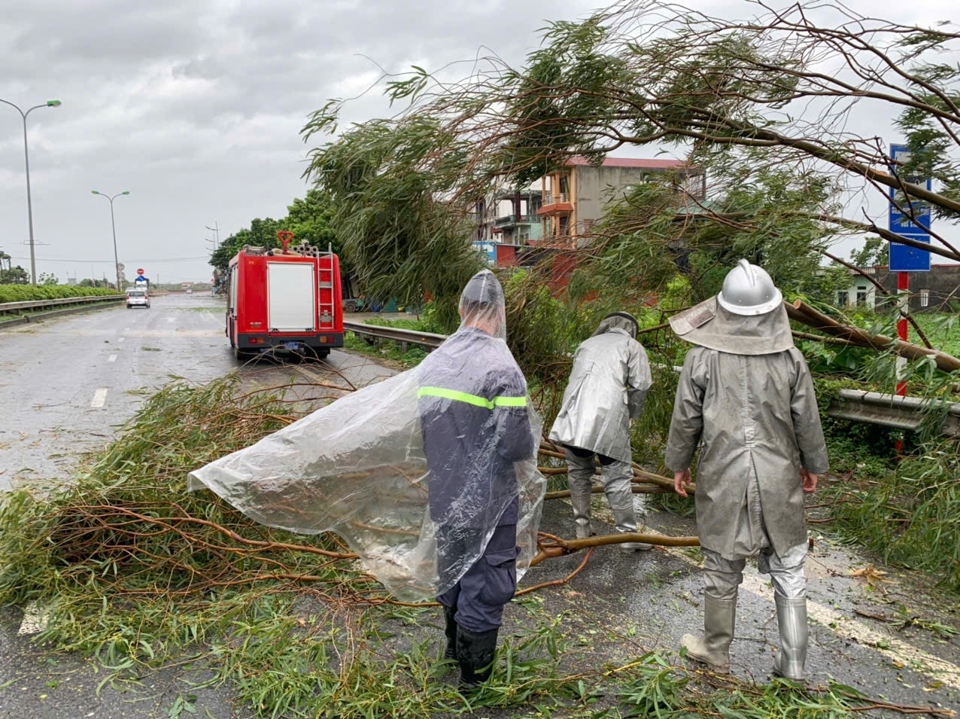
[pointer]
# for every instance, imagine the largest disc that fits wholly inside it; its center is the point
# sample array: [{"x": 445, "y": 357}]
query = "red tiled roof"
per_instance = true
[{"x": 631, "y": 162}]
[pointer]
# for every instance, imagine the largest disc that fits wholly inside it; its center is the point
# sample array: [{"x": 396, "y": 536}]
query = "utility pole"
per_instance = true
[{"x": 216, "y": 230}]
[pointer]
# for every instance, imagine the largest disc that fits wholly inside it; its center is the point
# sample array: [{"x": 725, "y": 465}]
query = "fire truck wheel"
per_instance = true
[{"x": 242, "y": 355}]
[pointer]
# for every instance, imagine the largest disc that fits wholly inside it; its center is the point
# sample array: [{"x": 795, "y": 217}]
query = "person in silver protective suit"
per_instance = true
[
  {"x": 476, "y": 425},
  {"x": 746, "y": 397},
  {"x": 607, "y": 389}
]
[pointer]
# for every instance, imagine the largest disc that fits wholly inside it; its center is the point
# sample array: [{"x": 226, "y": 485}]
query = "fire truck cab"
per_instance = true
[{"x": 284, "y": 299}]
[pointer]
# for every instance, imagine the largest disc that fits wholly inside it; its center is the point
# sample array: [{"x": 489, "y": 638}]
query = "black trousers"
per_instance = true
[{"x": 487, "y": 586}]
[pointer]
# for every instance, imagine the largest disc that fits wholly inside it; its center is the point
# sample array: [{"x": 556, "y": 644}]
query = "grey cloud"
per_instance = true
[{"x": 196, "y": 105}]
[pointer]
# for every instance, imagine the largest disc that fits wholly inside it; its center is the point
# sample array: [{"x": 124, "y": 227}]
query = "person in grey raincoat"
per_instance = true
[
  {"x": 475, "y": 426},
  {"x": 607, "y": 389},
  {"x": 746, "y": 397}
]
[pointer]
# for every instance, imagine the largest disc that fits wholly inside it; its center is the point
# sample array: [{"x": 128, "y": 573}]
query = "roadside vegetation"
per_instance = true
[{"x": 28, "y": 293}]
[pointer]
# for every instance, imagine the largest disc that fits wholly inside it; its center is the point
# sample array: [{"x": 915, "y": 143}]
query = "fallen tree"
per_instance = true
[{"x": 803, "y": 313}]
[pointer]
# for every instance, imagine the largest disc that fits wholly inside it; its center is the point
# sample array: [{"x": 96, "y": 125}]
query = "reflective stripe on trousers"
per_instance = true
[{"x": 721, "y": 577}]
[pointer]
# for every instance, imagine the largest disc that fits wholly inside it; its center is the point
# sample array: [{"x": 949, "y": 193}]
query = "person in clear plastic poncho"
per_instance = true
[
  {"x": 430, "y": 476},
  {"x": 746, "y": 397},
  {"x": 607, "y": 389},
  {"x": 476, "y": 426}
]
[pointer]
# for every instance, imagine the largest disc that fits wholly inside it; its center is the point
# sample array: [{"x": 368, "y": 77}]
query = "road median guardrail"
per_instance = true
[
  {"x": 405, "y": 338},
  {"x": 11, "y": 313}
]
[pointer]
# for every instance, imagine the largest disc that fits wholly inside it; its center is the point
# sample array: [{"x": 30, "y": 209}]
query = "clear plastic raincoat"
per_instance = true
[{"x": 444, "y": 451}]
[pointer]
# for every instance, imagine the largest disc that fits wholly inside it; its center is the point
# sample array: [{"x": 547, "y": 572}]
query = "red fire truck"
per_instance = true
[{"x": 287, "y": 299}]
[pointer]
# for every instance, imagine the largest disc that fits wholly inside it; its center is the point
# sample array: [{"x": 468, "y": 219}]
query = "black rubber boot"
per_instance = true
[
  {"x": 475, "y": 653},
  {"x": 451, "y": 632}
]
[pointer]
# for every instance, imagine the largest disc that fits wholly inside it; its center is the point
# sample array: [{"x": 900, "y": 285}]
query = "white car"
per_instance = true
[{"x": 138, "y": 298}]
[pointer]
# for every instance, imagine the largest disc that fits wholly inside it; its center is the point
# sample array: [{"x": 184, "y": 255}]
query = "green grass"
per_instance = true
[
  {"x": 388, "y": 350},
  {"x": 421, "y": 324},
  {"x": 943, "y": 331}
]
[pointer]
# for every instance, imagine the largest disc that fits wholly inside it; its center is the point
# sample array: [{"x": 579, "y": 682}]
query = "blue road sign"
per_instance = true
[
  {"x": 489, "y": 251},
  {"x": 902, "y": 257}
]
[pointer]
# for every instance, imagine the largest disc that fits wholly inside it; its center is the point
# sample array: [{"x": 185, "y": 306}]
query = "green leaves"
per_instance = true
[
  {"x": 393, "y": 187},
  {"x": 26, "y": 293}
]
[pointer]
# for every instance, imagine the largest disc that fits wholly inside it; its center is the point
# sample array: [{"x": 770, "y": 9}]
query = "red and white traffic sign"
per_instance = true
[{"x": 139, "y": 272}]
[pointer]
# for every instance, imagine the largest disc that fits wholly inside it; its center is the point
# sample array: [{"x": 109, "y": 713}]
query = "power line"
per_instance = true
[{"x": 110, "y": 261}]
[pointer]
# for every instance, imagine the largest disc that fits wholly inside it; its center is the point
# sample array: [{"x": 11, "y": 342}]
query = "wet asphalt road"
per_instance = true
[
  {"x": 70, "y": 382},
  {"x": 623, "y": 605}
]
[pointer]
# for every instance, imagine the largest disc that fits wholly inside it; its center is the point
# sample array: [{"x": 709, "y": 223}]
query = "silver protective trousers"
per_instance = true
[
  {"x": 721, "y": 577},
  {"x": 617, "y": 485}
]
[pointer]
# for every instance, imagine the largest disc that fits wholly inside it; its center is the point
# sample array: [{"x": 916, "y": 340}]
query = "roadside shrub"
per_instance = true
[{"x": 29, "y": 293}]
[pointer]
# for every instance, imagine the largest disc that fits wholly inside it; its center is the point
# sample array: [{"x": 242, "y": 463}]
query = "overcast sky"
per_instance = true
[{"x": 195, "y": 107}]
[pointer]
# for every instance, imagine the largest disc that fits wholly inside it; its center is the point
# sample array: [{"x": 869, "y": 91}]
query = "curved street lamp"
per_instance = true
[
  {"x": 113, "y": 224},
  {"x": 26, "y": 159}
]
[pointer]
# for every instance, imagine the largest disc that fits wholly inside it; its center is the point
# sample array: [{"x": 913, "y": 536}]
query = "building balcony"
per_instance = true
[
  {"x": 513, "y": 220},
  {"x": 560, "y": 204},
  {"x": 525, "y": 194}
]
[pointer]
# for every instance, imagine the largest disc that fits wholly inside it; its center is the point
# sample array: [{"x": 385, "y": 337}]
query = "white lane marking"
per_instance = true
[
  {"x": 34, "y": 621},
  {"x": 99, "y": 398},
  {"x": 171, "y": 319},
  {"x": 900, "y": 652},
  {"x": 891, "y": 647},
  {"x": 121, "y": 339},
  {"x": 112, "y": 358},
  {"x": 126, "y": 329}
]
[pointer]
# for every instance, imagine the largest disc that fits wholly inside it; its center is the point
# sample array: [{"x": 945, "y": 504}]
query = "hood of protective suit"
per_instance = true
[
  {"x": 482, "y": 305},
  {"x": 710, "y": 325},
  {"x": 445, "y": 450},
  {"x": 619, "y": 321}
]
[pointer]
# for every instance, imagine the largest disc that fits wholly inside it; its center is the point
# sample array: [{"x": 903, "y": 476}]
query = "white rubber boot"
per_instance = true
[
  {"x": 713, "y": 646},
  {"x": 792, "y": 622}
]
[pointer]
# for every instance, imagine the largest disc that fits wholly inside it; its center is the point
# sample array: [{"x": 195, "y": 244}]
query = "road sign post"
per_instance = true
[{"x": 910, "y": 219}]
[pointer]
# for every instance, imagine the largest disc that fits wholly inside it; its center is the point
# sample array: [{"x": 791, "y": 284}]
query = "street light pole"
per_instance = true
[
  {"x": 113, "y": 224},
  {"x": 26, "y": 161}
]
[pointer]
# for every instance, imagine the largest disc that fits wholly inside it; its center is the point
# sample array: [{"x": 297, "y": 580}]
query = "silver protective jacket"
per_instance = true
[
  {"x": 415, "y": 472},
  {"x": 756, "y": 420},
  {"x": 608, "y": 387}
]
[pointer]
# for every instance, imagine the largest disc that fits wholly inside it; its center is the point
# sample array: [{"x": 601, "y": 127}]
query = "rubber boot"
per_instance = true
[
  {"x": 581, "y": 514},
  {"x": 792, "y": 622},
  {"x": 475, "y": 653},
  {"x": 713, "y": 647},
  {"x": 451, "y": 631},
  {"x": 619, "y": 491}
]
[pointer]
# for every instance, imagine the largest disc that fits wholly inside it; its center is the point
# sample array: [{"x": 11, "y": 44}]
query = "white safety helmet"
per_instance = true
[{"x": 748, "y": 290}]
